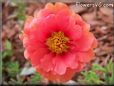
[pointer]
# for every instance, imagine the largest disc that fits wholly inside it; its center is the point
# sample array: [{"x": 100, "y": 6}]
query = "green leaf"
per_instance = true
[
  {"x": 110, "y": 66},
  {"x": 109, "y": 75},
  {"x": 36, "y": 78},
  {"x": 8, "y": 45},
  {"x": 13, "y": 68},
  {"x": 90, "y": 77},
  {"x": 97, "y": 67},
  {"x": 106, "y": 76},
  {"x": 111, "y": 79},
  {"x": 21, "y": 16},
  {"x": 21, "y": 11},
  {"x": 7, "y": 53}
]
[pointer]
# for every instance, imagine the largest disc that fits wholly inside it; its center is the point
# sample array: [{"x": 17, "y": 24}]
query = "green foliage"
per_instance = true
[
  {"x": 8, "y": 45},
  {"x": 13, "y": 68},
  {"x": 8, "y": 52},
  {"x": 110, "y": 66},
  {"x": 97, "y": 67},
  {"x": 34, "y": 79},
  {"x": 99, "y": 74},
  {"x": 109, "y": 76},
  {"x": 91, "y": 78},
  {"x": 21, "y": 11}
]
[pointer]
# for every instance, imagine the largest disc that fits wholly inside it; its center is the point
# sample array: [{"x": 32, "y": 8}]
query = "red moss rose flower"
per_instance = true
[{"x": 57, "y": 42}]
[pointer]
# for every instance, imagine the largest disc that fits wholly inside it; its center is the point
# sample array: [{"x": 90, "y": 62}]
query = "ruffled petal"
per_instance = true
[
  {"x": 80, "y": 21},
  {"x": 80, "y": 67},
  {"x": 50, "y": 6},
  {"x": 36, "y": 56},
  {"x": 85, "y": 42},
  {"x": 46, "y": 62},
  {"x": 75, "y": 33},
  {"x": 61, "y": 6},
  {"x": 95, "y": 43},
  {"x": 70, "y": 60},
  {"x": 49, "y": 9},
  {"x": 62, "y": 62},
  {"x": 56, "y": 77},
  {"x": 85, "y": 56},
  {"x": 27, "y": 24},
  {"x": 59, "y": 65},
  {"x": 62, "y": 17},
  {"x": 41, "y": 28},
  {"x": 26, "y": 54}
]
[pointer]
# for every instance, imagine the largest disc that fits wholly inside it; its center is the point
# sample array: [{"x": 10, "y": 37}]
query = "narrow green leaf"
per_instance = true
[
  {"x": 97, "y": 67},
  {"x": 7, "y": 53},
  {"x": 36, "y": 78},
  {"x": 8, "y": 45},
  {"x": 110, "y": 66},
  {"x": 13, "y": 68}
]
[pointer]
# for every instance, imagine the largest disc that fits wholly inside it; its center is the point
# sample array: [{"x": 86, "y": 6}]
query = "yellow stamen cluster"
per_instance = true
[{"x": 57, "y": 43}]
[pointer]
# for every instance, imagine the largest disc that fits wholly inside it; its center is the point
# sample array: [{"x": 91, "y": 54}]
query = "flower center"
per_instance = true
[{"x": 57, "y": 43}]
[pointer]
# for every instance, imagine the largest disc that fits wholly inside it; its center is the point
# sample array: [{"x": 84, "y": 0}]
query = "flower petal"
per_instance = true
[
  {"x": 75, "y": 33},
  {"x": 36, "y": 56},
  {"x": 46, "y": 62},
  {"x": 26, "y": 54},
  {"x": 80, "y": 21},
  {"x": 85, "y": 56},
  {"x": 27, "y": 24},
  {"x": 95, "y": 43},
  {"x": 70, "y": 60},
  {"x": 60, "y": 67},
  {"x": 50, "y": 6},
  {"x": 60, "y": 6},
  {"x": 62, "y": 17},
  {"x": 80, "y": 67},
  {"x": 56, "y": 77},
  {"x": 85, "y": 42}
]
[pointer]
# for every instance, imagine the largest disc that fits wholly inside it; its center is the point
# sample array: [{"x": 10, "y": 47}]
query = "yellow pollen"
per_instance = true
[{"x": 57, "y": 43}]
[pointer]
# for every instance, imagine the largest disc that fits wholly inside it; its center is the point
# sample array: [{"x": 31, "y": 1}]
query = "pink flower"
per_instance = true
[{"x": 57, "y": 42}]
